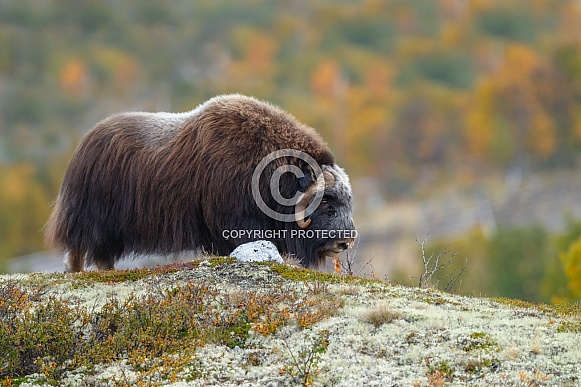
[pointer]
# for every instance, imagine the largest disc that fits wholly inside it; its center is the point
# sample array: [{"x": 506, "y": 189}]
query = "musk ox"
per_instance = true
[{"x": 162, "y": 183}]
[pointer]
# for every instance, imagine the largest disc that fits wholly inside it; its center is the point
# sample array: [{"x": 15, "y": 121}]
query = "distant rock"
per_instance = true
[{"x": 258, "y": 251}]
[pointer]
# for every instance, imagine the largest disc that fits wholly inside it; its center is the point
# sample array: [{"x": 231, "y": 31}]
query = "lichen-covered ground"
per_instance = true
[{"x": 227, "y": 323}]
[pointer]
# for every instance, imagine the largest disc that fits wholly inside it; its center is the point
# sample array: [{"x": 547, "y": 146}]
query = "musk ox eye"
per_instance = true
[{"x": 331, "y": 212}]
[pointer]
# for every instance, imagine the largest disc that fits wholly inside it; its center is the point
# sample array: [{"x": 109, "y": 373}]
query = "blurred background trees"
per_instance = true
[{"x": 414, "y": 98}]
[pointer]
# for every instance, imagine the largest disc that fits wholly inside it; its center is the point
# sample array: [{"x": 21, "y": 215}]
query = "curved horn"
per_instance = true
[
  {"x": 305, "y": 199},
  {"x": 300, "y": 208}
]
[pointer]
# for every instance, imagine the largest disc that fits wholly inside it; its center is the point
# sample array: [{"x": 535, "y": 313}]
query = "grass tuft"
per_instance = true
[{"x": 380, "y": 315}]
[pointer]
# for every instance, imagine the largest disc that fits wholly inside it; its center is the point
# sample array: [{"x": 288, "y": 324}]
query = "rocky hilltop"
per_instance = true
[{"x": 221, "y": 322}]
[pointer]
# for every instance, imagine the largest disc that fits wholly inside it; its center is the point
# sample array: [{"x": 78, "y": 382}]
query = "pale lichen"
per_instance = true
[{"x": 432, "y": 335}]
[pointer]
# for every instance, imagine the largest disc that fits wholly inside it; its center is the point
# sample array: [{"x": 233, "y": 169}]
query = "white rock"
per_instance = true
[{"x": 258, "y": 251}]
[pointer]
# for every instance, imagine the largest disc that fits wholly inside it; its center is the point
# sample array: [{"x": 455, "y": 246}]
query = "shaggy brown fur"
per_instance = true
[{"x": 164, "y": 182}]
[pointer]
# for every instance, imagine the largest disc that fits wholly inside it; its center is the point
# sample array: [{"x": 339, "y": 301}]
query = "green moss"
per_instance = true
[
  {"x": 308, "y": 275},
  {"x": 524, "y": 304},
  {"x": 572, "y": 312},
  {"x": 112, "y": 276},
  {"x": 217, "y": 261},
  {"x": 479, "y": 340},
  {"x": 129, "y": 275},
  {"x": 299, "y": 273},
  {"x": 442, "y": 368},
  {"x": 438, "y": 300},
  {"x": 232, "y": 336},
  {"x": 568, "y": 310},
  {"x": 570, "y": 326}
]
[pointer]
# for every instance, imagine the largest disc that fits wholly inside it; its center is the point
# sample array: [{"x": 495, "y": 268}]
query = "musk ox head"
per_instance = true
[
  {"x": 329, "y": 229},
  {"x": 312, "y": 203}
]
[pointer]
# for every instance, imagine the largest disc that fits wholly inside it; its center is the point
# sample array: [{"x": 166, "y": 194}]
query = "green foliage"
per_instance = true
[
  {"x": 450, "y": 69},
  {"x": 150, "y": 325},
  {"x": 479, "y": 340},
  {"x": 156, "y": 333},
  {"x": 556, "y": 285},
  {"x": 302, "y": 366},
  {"x": 571, "y": 260},
  {"x": 568, "y": 58},
  {"x": 25, "y": 196},
  {"x": 516, "y": 261},
  {"x": 36, "y": 340},
  {"x": 441, "y": 369},
  {"x": 570, "y": 326},
  {"x": 217, "y": 261},
  {"x": 508, "y": 23},
  {"x": 370, "y": 32}
]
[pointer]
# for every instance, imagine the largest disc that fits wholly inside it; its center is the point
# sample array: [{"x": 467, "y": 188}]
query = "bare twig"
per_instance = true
[
  {"x": 347, "y": 266},
  {"x": 303, "y": 367},
  {"x": 434, "y": 268}
]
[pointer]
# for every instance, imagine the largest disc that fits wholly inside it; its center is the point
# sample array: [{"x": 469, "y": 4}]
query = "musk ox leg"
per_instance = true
[
  {"x": 104, "y": 261},
  {"x": 74, "y": 261}
]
